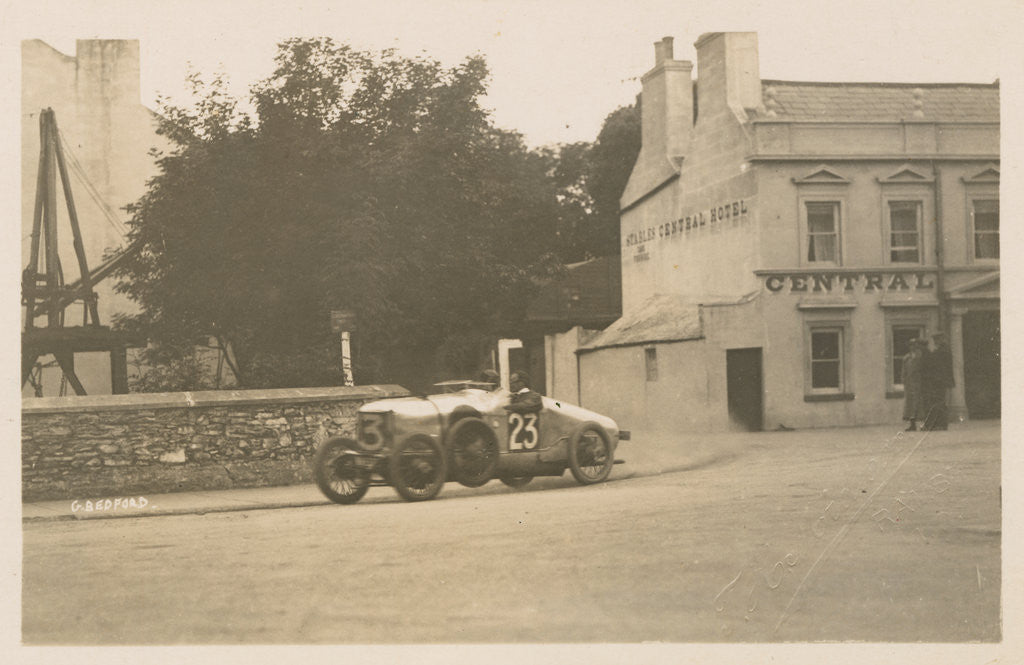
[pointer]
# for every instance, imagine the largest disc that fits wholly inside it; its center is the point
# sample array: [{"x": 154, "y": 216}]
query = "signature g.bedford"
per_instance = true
[{"x": 105, "y": 505}]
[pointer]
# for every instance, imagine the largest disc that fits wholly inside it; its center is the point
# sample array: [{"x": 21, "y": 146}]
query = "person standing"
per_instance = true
[
  {"x": 936, "y": 380},
  {"x": 913, "y": 402}
]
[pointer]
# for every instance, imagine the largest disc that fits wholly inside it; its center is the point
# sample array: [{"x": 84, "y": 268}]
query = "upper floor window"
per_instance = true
[
  {"x": 985, "y": 217},
  {"x": 822, "y": 231},
  {"x": 905, "y": 231}
]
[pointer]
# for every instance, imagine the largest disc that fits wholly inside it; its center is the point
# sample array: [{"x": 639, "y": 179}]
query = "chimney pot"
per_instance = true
[
  {"x": 663, "y": 50},
  {"x": 667, "y": 41}
]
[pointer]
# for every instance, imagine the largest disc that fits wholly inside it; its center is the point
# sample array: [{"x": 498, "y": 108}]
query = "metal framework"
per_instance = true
[{"x": 44, "y": 293}]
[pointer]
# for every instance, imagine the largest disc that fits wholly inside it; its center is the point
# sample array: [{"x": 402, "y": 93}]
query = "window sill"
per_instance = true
[
  {"x": 894, "y": 394},
  {"x": 830, "y": 397}
]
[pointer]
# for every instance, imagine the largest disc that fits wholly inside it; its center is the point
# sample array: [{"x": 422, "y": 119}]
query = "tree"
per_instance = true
[
  {"x": 611, "y": 162},
  {"x": 590, "y": 178},
  {"x": 368, "y": 182}
]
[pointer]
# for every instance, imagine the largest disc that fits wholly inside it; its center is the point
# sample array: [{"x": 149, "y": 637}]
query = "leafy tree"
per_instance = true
[
  {"x": 368, "y": 182},
  {"x": 611, "y": 161},
  {"x": 590, "y": 178}
]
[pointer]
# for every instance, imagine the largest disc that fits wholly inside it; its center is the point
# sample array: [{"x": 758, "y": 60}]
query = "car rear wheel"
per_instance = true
[
  {"x": 418, "y": 468},
  {"x": 590, "y": 454},
  {"x": 516, "y": 481},
  {"x": 474, "y": 451},
  {"x": 336, "y": 473}
]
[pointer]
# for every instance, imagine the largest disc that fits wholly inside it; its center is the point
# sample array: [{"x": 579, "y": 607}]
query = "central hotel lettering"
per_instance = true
[{"x": 711, "y": 216}]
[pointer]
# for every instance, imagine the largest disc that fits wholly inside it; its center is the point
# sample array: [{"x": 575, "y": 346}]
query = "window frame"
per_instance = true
[
  {"x": 805, "y": 231},
  {"x": 888, "y": 207},
  {"x": 972, "y": 199},
  {"x": 828, "y": 321}
]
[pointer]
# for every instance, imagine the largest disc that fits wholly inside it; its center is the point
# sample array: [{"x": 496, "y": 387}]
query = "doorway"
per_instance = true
[
  {"x": 744, "y": 387},
  {"x": 981, "y": 363}
]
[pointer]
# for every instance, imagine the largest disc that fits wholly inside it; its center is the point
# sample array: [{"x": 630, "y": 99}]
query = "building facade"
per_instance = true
[
  {"x": 783, "y": 241},
  {"x": 106, "y": 135}
]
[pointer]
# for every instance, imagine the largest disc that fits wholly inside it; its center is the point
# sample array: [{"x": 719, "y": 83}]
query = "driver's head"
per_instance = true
[
  {"x": 518, "y": 381},
  {"x": 489, "y": 376}
]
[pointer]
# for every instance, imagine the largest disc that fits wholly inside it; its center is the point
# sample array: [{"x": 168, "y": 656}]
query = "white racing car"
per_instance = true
[{"x": 416, "y": 444}]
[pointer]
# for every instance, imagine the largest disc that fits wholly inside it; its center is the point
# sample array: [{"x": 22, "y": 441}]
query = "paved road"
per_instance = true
[{"x": 859, "y": 535}]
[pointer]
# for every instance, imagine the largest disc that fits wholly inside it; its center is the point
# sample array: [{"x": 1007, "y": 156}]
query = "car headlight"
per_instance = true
[{"x": 375, "y": 430}]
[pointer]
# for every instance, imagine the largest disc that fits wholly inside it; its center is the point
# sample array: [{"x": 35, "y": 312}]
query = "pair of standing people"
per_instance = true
[{"x": 927, "y": 375}]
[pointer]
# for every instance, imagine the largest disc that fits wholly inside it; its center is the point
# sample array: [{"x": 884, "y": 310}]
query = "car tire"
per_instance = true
[
  {"x": 516, "y": 481},
  {"x": 473, "y": 451},
  {"x": 418, "y": 468},
  {"x": 590, "y": 454},
  {"x": 336, "y": 475}
]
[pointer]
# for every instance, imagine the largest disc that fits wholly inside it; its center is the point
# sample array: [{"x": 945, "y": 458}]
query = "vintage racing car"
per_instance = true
[{"x": 464, "y": 434}]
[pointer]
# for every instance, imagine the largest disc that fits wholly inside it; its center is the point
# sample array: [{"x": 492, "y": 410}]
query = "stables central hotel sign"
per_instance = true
[{"x": 715, "y": 216}]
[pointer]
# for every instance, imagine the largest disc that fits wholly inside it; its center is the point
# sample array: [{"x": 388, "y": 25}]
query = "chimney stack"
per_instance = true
[
  {"x": 666, "y": 107},
  {"x": 728, "y": 72}
]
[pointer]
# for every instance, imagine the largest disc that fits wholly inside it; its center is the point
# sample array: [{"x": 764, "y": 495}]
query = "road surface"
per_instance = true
[{"x": 780, "y": 537}]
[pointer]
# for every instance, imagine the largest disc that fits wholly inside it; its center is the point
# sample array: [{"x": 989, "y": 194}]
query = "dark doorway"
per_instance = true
[
  {"x": 743, "y": 382},
  {"x": 981, "y": 363}
]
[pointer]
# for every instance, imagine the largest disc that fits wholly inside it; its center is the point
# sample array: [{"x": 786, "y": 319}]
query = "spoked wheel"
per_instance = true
[
  {"x": 474, "y": 451},
  {"x": 418, "y": 468},
  {"x": 336, "y": 471},
  {"x": 516, "y": 481},
  {"x": 590, "y": 454}
]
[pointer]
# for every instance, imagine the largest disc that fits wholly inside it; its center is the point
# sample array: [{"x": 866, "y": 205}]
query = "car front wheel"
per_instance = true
[
  {"x": 417, "y": 468},
  {"x": 337, "y": 473},
  {"x": 590, "y": 454}
]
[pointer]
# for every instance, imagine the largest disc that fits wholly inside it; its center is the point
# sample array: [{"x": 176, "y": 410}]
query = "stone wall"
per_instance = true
[{"x": 112, "y": 445}]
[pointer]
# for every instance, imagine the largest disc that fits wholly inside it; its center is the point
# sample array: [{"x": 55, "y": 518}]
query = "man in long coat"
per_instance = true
[
  {"x": 913, "y": 401},
  {"x": 936, "y": 379}
]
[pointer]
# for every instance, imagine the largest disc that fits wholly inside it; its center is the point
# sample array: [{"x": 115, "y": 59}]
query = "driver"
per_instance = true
[
  {"x": 491, "y": 377},
  {"x": 522, "y": 399}
]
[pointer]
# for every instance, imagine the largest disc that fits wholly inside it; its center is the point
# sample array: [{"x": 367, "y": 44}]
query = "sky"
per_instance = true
[{"x": 558, "y": 67}]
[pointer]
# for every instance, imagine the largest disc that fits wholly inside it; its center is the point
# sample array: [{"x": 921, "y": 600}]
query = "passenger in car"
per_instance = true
[{"x": 522, "y": 399}]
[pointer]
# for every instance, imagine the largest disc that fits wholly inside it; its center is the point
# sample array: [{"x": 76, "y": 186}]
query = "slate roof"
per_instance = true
[
  {"x": 661, "y": 318},
  {"x": 879, "y": 102}
]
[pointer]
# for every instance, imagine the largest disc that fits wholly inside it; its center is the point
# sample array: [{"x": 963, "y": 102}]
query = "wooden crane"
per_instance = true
[{"x": 44, "y": 292}]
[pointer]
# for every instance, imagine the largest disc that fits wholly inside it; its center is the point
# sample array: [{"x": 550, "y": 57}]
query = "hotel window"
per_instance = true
[
  {"x": 826, "y": 358},
  {"x": 900, "y": 336},
  {"x": 904, "y": 231},
  {"x": 822, "y": 231},
  {"x": 985, "y": 217},
  {"x": 651, "y": 363}
]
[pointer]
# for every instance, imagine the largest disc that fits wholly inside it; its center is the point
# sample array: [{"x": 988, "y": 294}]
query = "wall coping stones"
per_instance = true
[{"x": 205, "y": 398}]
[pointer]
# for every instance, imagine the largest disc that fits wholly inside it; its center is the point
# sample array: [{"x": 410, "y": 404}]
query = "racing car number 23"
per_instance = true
[{"x": 523, "y": 431}]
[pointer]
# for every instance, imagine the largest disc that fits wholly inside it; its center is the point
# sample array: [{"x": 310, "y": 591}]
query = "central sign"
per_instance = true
[{"x": 824, "y": 282}]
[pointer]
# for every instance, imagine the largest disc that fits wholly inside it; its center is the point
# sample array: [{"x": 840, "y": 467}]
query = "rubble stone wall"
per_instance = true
[{"x": 116, "y": 445}]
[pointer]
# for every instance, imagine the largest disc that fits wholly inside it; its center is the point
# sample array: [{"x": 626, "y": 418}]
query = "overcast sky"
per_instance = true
[{"x": 558, "y": 67}]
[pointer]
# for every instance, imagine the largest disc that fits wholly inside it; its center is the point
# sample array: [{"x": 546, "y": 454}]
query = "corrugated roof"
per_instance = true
[
  {"x": 661, "y": 318},
  {"x": 879, "y": 102}
]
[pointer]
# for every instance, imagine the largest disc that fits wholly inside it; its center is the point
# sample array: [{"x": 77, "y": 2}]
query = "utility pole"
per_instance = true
[{"x": 343, "y": 322}]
